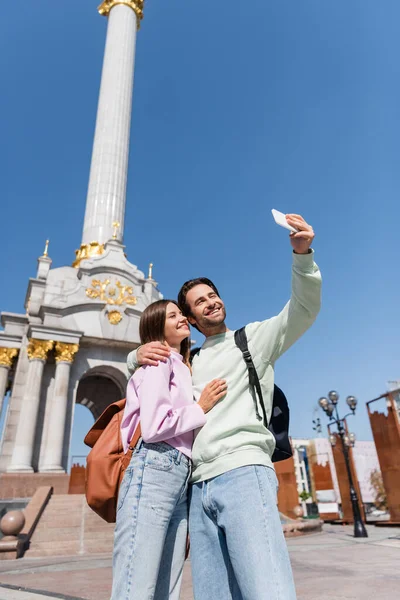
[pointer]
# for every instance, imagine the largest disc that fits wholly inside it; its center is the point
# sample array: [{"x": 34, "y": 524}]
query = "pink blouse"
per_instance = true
[{"x": 162, "y": 399}]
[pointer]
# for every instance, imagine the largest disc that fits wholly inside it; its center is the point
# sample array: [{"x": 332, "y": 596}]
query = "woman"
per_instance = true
[{"x": 152, "y": 512}]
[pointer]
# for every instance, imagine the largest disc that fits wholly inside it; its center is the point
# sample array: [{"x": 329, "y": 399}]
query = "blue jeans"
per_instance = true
[
  {"x": 238, "y": 551},
  {"x": 151, "y": 527}
]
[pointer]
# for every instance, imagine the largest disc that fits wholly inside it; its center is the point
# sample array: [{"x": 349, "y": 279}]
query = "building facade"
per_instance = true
[
  {"x": 310, "y": 452},
  {"x": 81, "y": 320}
]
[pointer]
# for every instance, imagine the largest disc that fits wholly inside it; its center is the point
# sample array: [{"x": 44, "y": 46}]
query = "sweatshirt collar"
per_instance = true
[{"x": 212, "y": 340}]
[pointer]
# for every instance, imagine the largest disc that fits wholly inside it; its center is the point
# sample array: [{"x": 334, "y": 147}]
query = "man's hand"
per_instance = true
[
  {"x": 302, "y": 240},
  {"x": 212, "y": 393},
  {"x": 152, "y": 353}
]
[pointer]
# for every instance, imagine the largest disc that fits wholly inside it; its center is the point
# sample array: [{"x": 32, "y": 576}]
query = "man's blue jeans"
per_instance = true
[
  {"x": 151, "y": 528},
  {"x": 238, "y": 551}
]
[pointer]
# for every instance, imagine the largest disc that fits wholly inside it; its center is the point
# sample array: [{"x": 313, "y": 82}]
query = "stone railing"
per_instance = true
[{"x": 18, "y": 526}]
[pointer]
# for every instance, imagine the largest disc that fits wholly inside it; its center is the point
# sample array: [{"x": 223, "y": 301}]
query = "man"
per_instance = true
[{"x": 238, "y": 551}]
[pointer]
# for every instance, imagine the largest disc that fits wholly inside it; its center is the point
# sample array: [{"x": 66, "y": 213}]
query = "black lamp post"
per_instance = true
[{"x": 329, "y": 406}]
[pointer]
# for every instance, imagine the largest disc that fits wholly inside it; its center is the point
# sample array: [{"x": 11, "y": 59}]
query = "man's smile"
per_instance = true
[{"x": 213, "y": 311}]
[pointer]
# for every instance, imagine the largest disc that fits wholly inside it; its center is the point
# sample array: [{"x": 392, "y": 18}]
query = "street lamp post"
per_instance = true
[{"x": 329, "y": 406}]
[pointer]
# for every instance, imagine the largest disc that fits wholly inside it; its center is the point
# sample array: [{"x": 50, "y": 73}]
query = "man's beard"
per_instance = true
[{"x": 206, "y": 323}]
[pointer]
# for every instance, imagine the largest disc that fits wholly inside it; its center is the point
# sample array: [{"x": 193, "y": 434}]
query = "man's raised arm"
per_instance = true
[{"x": 273, "y": 337}]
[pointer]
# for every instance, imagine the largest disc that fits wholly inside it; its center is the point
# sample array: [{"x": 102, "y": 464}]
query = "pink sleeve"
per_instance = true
[{"x": 159, "y": 420}]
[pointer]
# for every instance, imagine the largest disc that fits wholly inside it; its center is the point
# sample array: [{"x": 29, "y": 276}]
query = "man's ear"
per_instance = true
[{"x": 191, "y": 320}]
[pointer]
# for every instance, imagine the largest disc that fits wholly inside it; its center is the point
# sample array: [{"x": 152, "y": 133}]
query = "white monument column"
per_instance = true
[
  {"x": 105, "y": 204},
  {"x": 7, "y": 356},
  {"x": 52, "y": 459},
  {"x": 21, "y": 460}
]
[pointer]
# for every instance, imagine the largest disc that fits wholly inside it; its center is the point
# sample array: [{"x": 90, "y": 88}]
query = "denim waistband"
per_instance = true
[{"x": 176, "y": 455}]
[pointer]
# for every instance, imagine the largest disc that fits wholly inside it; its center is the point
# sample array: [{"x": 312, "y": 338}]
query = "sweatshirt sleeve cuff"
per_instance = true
[
  {"x": 201, "y": 417},
  {"x": 304, "y": 262},
  {"x": 131, "y": 361}
]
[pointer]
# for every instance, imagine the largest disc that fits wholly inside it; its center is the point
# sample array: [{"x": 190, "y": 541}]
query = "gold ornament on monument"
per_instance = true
[
  {"x": 117, "y": 294},
  {"x": 116, "y": 225},
  {"x": 39, "y": 349},
  {"x": 150, "y": 275},
  {"x": 114, "y": 316},
  {"x": 66, "y": 352},
  {"x": 135, "y": 5},
  {"x": 87, "y": 251},
  {"x": 7, "y": 356},
  {"x": 46, "y": 249}
]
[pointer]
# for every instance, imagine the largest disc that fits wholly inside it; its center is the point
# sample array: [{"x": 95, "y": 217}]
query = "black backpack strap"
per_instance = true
[
  {"x": 193, "y": 353},
  {"x": 255, "y": 387}
]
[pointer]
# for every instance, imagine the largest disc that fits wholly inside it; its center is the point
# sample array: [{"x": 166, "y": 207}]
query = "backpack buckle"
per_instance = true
[{"x": 247, "y": 357}]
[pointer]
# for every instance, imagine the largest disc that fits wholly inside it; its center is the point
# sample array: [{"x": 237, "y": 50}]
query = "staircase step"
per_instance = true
[
  {"x": 64, "y": 520},
  {"x": 54, "y": 534},
  {"x": 55, "y": 548},
  {"x": 69, "y": 527},
  {"x": 104, "y": 530},
  {"x": 65, "y": 504},
  {"x": 98, "y": 547},
  {"x": 97, "y": 535},
  {"x": 67, "y": 498}
]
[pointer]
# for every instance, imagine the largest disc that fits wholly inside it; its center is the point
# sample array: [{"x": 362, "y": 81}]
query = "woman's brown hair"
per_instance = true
[{"x": 152, "y": 326}]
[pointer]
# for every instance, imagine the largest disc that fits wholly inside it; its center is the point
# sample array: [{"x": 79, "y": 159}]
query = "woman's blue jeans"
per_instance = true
[{"x": 151, "y": 527}]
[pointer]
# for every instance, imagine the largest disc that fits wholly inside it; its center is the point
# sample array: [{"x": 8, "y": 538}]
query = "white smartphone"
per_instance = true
[{"x": 280, "y": 219}]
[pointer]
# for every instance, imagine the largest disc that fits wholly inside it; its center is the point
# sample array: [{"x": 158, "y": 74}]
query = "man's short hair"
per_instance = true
[{"x": 187, "y": 286}]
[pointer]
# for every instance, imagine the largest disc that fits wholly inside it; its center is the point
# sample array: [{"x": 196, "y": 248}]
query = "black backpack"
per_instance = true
[{"x": 279, "y": 423}]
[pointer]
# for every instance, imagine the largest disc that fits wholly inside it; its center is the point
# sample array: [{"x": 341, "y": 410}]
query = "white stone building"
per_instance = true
[
  {"x": 365, "y": 459},
  {"x": 81, "y": 320}
]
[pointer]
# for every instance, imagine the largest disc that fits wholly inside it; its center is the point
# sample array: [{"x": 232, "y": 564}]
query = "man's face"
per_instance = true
[{"x": 207, "y": 311}]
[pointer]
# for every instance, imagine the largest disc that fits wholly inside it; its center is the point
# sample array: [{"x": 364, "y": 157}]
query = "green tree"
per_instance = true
[{"x": 304, "y": 496}]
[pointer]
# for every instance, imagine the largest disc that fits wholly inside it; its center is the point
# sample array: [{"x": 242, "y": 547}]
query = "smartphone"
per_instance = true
[{"x": 280, "y": 219}]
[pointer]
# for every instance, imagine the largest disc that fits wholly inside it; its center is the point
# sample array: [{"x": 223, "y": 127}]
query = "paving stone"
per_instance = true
[{"x": 331, "y": 565}]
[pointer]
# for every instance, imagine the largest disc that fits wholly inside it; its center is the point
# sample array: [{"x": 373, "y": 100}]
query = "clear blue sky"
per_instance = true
[{"x": 238, "y": 108}]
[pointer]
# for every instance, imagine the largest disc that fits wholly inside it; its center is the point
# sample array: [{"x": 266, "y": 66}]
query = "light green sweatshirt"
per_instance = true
[{"x": 233, "y": 436}]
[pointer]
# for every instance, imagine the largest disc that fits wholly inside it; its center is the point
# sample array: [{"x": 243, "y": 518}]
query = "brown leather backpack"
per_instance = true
[{"x": 106, "y": 462}]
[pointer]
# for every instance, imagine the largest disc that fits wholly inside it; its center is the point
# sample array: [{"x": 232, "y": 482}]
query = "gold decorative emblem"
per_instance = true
[
  {"x": 135, "y": 5},
  {"x": 114, "y": 295},
  {"x": 7, "y": 356},
  {"x": 114, "y": 317},
  {"x": 87, "y": 251},
  {"x": 39, "y": 349},
  {"x": 66, "y": 352}
]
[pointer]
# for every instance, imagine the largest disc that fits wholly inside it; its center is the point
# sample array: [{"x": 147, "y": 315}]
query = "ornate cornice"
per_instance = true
[
  {"x": 7, "y": 356},
  {"x": 135, "y": 5},
  {"x": 66, "y": 352},
  {"x": 39, "y": 349},
  {"x": 87, "y": 251}
]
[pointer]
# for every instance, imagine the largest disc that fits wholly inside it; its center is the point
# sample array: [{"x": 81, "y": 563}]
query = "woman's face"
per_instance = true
[{"x": 176, "y": 326}]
